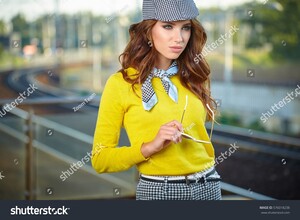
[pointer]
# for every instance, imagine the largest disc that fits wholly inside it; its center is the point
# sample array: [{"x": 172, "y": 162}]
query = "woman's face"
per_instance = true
[{"x": 170, "y": 40}]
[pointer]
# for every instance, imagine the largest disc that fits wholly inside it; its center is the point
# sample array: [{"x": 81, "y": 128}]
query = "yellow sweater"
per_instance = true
[{"x": 120, "y": 106}]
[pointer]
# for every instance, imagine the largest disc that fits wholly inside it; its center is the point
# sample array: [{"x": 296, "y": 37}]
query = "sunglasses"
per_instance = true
[{"x": 187, "y": 136}]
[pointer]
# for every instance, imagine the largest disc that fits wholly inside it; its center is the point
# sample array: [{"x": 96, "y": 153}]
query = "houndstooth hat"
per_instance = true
[{"x": 169, "y": 10}]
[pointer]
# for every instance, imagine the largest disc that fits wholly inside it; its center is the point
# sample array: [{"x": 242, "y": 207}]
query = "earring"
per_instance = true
[
  {"x": 185, "y": 74},
  {"x": 150, "y": 43}
]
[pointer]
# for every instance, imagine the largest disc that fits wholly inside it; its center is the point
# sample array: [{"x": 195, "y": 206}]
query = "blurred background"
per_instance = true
[{"x": 56, "y": 55}]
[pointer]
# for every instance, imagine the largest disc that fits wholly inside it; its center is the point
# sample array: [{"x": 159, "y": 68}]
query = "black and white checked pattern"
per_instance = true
[
  {"x": 169, "y": 10},
  {"x": 209, "y": 190},
  {"x": 147, "y": 89}
]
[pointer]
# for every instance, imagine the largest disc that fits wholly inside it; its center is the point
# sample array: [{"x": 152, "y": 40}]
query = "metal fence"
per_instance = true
[{"x": 28, "y": 137}]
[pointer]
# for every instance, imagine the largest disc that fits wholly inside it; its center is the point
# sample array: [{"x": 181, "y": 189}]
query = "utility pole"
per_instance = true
[{"x": 228, "y": 49}]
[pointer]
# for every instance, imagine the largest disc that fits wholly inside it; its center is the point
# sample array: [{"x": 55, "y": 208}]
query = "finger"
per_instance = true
[
  {"x": 170, "y": 131},
  {"x": 168, "y": 127},
  {"x": 179, "y": 139},
  {"x": 171, "y": 136},
  {"x": 175, "y": 124},
  {"x": 176, "y": 137}
]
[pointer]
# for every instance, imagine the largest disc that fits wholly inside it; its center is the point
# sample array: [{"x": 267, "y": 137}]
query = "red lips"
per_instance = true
[{"x": 176, "y": 49}]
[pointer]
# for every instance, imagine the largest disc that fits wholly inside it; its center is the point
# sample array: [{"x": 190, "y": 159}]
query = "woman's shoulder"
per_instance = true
[{"x": 119, "y": 78}]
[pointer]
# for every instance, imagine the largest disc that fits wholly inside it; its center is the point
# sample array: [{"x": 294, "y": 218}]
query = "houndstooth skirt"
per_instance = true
[{"x": 207, "y": 190}]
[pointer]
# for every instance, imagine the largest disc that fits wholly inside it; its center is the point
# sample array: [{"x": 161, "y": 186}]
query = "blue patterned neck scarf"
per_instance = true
[{"x": 149, "y": 97}]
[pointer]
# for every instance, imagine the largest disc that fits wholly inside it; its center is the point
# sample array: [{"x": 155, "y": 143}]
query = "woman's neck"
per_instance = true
[{"x": 163, "y": 64}]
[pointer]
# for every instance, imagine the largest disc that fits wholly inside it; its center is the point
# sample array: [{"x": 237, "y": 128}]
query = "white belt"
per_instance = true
[{"x": 193, "y": 176}]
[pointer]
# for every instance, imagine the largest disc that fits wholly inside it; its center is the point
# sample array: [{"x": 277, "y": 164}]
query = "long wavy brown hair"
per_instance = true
[{"x": 194, "y": 76}]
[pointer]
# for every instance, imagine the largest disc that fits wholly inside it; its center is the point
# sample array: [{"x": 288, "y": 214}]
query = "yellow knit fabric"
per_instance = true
[{"x": 120, "y": 106}]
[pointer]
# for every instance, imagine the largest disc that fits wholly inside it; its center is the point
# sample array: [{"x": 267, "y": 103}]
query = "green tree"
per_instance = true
[
  {"x": 2, "y": 33},
  {"x": 2, "y": 28},
  {"x": 20, "y": 25},
  {"x": 280, "y": 27}
]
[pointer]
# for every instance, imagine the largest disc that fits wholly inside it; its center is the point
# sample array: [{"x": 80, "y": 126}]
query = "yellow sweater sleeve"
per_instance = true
[{"x": 106, "y": 155}]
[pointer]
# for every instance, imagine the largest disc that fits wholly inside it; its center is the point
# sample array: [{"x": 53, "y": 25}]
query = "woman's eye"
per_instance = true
[
  {"x": 167, "y": 27},
  {"x": 187, "y": 28}
]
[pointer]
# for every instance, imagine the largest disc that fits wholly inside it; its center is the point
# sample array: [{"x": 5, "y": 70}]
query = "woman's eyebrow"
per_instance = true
[{"x": 172, "y": 23}]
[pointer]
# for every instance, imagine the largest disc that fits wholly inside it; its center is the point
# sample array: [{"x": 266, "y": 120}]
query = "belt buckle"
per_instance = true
[{"x": 187, "y": 181}]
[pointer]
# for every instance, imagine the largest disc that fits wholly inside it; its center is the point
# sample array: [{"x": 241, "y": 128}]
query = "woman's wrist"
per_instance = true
[{"x": 147, "y": 150}]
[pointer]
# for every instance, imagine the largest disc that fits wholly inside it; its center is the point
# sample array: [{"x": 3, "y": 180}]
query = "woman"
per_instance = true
[{"x": 162, "y": 98}]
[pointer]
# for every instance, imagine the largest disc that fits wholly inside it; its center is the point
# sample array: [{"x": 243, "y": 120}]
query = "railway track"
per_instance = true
[
  {"x": 263, "y": 163},
  {"x": 19, "y": 80},
  {"x": 256, "y": 141}
]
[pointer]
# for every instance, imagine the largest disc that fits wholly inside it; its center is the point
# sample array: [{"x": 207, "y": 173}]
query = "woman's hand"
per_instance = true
[{"x": 167, "y": 133}]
